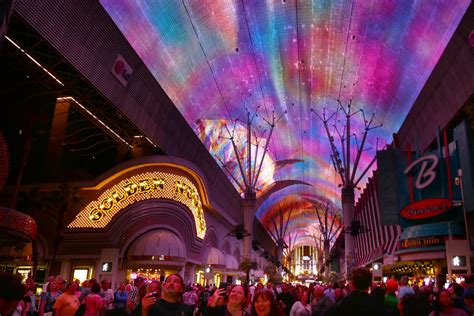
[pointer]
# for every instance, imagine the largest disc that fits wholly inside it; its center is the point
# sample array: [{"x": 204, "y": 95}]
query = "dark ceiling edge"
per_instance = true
[
  {"x": 448, "y": 87},
  {"x": 87, "y": 38}
]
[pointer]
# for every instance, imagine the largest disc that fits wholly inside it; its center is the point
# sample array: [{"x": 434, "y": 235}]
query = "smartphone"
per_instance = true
[
  {"x": 154, "y": 294},
  {"x": 223, "y": 285}
]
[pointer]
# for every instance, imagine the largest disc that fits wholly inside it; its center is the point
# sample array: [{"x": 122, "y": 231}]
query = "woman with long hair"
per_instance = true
[
  {"x": 264, "y": 304},
  {"x": 94, "y": 303},
  {"x": 236, "y": 303},
  {"x": 49, "y": 298},
  {"x": 444, "y": 305},
  {"x": 302, "y": 306}
]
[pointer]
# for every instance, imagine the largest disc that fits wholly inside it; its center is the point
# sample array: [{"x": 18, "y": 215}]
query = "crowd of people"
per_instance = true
[{"x": 173, "y": 297}]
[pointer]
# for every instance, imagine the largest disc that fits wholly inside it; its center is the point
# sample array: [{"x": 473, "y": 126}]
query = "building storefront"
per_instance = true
[
  {"x": 147, "y": 218},
  {"x": 421, "y": 192}
]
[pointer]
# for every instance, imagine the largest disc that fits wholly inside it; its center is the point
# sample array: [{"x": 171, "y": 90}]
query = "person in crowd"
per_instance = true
[
  {"x": 152, "y": 287},
  {"x": 378, "y": 298},
  {"x": 469, "y": 302},
  {"x": 469, "y": 285},
  {"x": 48, "y": 299},
  {"x": 133, "y": 295},
  {"x": 84, "y": 285},
  {"x": 190, "y": 297},
  {"x": 11, "y": 292},
  {"x": 269, "y": 287},
  {"x": 45, "y": 286},
  {"x": 94, "y": 302},
  {"x": 87, "y": 290},
  {"x": 302, "y": 306},
  {"x": 359, "y": 301},
  {"x": 339, "y": 293},
  {"x": 264, "y": 304},
  {"x": 235, "y": 305},
  {"x": 404, "y": 288},
  {"x": 391, "y": 300},
  {"x": 425, "y": 300},
  {"x": 121, "y": 297},
  {"x": 457, "y": 293},
  {"x": 23, "y": 305},
  {"x": 444, "y": 305},
  {"x": 169, "y": 303},
  {"x": 67, "y": 303},
  {"x": 108, "y": 294},
  {"x": 204, "y": 299},
  {"x": 321, "y": 303},
  {"x": 285, "y": 299},
  {"x": 78, "y": 283},
  {"x": 61, "y": 283},
  {"x": 409, "y": 306},
  {"x": 329, "y": 292},
  {"x": 30, "y": 297}
]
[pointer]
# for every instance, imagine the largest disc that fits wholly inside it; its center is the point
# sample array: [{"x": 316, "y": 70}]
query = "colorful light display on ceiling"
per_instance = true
[{"x": 215, "y": 59}]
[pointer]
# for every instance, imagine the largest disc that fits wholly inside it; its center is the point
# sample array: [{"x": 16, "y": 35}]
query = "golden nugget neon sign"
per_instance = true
[
  {"x": 131, "y": 189},
  {"x": 148, "y": 185}
]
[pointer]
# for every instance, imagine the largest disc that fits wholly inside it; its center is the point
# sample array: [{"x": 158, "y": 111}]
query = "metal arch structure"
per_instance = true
[
  {"x": 214, "y": 58},
  {"x": 40, "y": 58},
  {"x": 326, "y": 232}
]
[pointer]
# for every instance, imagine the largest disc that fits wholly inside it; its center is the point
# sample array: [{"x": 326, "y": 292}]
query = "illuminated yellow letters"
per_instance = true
[
  {"x": 131, "y": 189},
  {"x": 144, "y": 185},
  {"x": 117, "y": 197}
]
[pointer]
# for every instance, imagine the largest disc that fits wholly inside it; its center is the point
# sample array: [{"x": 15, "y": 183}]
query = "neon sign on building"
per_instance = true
[{"x": 140, "y": 187}]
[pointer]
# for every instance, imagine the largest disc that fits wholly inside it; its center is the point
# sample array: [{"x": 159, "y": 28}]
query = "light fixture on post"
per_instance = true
[
  {"x": 346, "y": 166},
  {"x": 255, "y": 245},
  {"x": 249, "y": 167},
  {"x": 238, "y": 232},
  {"x": 355, "y": 229}
]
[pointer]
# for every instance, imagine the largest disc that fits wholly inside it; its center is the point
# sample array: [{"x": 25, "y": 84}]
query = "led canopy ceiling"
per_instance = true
[{"x": 218, "y": 59}]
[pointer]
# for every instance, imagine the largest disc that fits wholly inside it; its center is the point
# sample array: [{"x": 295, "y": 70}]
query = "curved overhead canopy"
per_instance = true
[
  {"x": 213, "y": 256},
  {"x": 215, "y": 59},
  {"x": 158, "y": 243}
]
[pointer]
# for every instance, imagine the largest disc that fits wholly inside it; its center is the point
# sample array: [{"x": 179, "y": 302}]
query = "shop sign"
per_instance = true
[
  {"x": 427, "y": 173},
  {"x": 426, "y": 208},
  {"x": 421, "y": 242},
  {"x": 459, "y": 261},
  {"x": 122, "y": 70},
  {"x": 107, "y": 267},
  {"x": 144, "y": 186}
]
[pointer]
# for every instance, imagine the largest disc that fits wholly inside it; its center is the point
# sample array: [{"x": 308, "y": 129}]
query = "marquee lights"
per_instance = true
[{"x": 140, "y": 187}]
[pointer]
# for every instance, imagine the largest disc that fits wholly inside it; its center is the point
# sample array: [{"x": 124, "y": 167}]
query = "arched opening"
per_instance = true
[{"x": 155, "y": 254}]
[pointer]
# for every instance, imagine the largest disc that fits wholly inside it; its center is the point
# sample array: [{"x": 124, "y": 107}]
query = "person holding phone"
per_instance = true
[
  {"x": 237, "y": 300},
  {"x": 169, "y": 304}
]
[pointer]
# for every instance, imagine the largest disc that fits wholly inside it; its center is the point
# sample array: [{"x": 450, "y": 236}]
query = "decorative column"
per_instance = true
[
  {"x": 249, "y": 216},
  {"x": 348, "y": 211},
  {"x": 249, "y": 157},
  {"x": 347, "y": 168}
]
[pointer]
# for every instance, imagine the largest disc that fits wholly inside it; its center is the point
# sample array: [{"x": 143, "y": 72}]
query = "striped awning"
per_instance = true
[{"x": 380, "y": 240}]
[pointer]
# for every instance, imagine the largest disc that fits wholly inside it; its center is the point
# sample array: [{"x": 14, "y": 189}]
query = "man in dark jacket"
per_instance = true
[
  {"x": 359, "y": 301},
  {"x": 169, "y": 304}
]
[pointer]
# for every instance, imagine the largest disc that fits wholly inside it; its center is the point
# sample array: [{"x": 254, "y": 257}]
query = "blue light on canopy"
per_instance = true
[{"x": 214, "y": 59}]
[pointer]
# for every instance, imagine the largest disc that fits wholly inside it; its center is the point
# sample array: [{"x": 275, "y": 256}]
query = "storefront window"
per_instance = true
[
  {"x": 24, "y": 272},
  {"x": 81, "y": 274}
]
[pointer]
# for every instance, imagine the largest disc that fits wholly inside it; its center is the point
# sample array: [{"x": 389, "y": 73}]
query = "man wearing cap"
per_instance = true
[
  {"x": 391, "y": 300},
  {"x": 133, "y": 294}
]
